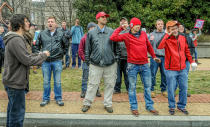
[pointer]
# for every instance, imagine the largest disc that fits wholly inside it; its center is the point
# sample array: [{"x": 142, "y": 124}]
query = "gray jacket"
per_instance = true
[
  {"x": 99, "y": 49},
  {"x": 17, "y": 61},
  {"x": 157, "y": 37}
]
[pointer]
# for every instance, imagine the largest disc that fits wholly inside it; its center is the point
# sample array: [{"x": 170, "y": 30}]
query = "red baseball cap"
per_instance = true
[
  {"x": 135, "y": 21},
  {"x": 100, "y": 14}
]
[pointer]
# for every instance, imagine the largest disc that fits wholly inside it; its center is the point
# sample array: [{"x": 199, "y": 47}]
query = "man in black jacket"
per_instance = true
[
  {"x": 99, "y": 53},
  {"x": 122, "y": 62},
  {"x": 53, "y": 40},
  {"x": 65, "y": 30},
  {"x": 16, "y": 68}
]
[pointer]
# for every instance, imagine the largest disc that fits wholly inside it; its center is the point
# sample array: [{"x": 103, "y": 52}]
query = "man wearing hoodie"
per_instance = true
[
  {"x": 155, "y": 37},
  {"x": 16, "y": 69},
  {"x": 137, "y": 45},
  {"x": 176, "y": 52}
]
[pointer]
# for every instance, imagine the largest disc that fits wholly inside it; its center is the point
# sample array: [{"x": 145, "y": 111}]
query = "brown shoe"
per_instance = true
[
  {"x": 154, "y": 112},
  {"x": 165, "y": 94},
  {"x": 135, "y": 113},
  {"x": 153, "y": 95}
]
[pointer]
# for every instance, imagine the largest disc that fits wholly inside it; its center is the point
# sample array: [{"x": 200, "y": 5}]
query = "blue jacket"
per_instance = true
[
  {"x": 76, "y": 34},
  {"x": 2, "y": 44}
]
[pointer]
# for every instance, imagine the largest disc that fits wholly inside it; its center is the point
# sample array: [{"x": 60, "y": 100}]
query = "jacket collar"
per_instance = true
[
  {"x": 136, "y": 34},
  {"x": 163, "y": 31},
  {"x": 48, "y": 31},
  {"x": 99, "y": 30}
]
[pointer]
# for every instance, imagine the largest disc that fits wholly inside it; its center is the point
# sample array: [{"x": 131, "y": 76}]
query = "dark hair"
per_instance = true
[{"x": 17, "y": 21}]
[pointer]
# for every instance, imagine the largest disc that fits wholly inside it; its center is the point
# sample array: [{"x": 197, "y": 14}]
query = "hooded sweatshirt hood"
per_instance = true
[{"x": 9, "y": 36}]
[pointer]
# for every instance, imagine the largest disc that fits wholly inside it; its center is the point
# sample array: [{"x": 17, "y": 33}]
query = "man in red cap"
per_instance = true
[
  {"x": 137, "y": 45},
  {"x": 99, "y": 53},
  {"x": 176, "y": 51}
]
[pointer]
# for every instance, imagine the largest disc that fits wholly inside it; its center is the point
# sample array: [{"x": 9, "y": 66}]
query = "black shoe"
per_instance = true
[
  {"x": 109, "y": 109},
  {"x": 188, "y": 95},
  {"x": 85, "y": 108},
  {"x": 82, "y": 95},
  {"x": 44, "y": 102},
  {"x": 60, "y": 103},
  {"x": 98, "y": 94},
  {"x": 171, "y": 111},
  {"x": 184, "y": 111}
]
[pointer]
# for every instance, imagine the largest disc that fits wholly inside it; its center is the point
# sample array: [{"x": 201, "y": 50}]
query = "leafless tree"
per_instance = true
[{"x": 62, "y": 10}]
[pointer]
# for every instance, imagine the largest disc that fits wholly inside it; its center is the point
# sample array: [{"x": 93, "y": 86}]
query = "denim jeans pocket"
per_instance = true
[{"x": 129, "y": 67}]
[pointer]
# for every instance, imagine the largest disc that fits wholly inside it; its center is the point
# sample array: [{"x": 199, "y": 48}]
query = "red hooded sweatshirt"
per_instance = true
[{"x": 137, "y": 47}]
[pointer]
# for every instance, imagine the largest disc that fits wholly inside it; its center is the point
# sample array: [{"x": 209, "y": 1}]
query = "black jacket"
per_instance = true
[
  {"x": 121, "y": 48},
  {"x": 190, "y": 43},
  {"x": 56, "y": 44},
  {"x": 99, "y": 49}
]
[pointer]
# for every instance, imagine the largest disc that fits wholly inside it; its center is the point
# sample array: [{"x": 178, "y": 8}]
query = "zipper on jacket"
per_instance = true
[{"x": 178, "y": 43}]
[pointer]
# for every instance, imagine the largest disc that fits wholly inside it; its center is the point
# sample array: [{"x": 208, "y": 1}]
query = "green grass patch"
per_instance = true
[
  {"x": 199, "y": 82},
  {"x": 204, "y": 38}
]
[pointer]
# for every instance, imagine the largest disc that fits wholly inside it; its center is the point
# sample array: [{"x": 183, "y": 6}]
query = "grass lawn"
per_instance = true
[
  {"x": 204, "y": 38},
  {"x": 199, "y": 81}
]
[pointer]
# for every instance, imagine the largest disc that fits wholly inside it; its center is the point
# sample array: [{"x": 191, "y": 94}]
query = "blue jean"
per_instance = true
[
  {"x": 154, "y": 67},
  {"x": 187, "y": 68},
  {"x": 145, "y": 74},
  {"x": 85, "y": 71},
  {"x": 47, "y": 69},
  {"x": 16, "y": 107},
  {"x": 75, "y": 48},
  {"x": 196, "y": 53},
  {"x": 121, "y": 68},
  {"x": 67, "y": 58},
  {"x": 172, "y": 77}
]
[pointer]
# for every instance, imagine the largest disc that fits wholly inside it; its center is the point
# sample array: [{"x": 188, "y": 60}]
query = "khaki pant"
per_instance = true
[{"x": 109, "y": 75}]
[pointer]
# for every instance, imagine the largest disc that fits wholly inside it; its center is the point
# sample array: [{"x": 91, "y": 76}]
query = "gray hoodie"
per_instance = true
[
  {"x": 17, "y": 61},
  {"x": 157, "y": 37}
]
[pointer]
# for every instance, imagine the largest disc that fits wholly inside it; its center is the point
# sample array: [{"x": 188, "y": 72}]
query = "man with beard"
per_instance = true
[
  {"x": 53, "y": 40},
  {"x": 99, "y": 53},
  {"x": 16, "y": 68}
]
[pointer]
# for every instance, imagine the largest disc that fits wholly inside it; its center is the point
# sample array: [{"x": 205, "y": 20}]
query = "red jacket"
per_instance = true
[
  {"x": 81, "y": 51},
  {"x": 176, "y": 51},
  {"x": 195, "y": 43},
  {"x": 137, "y": 48}
]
